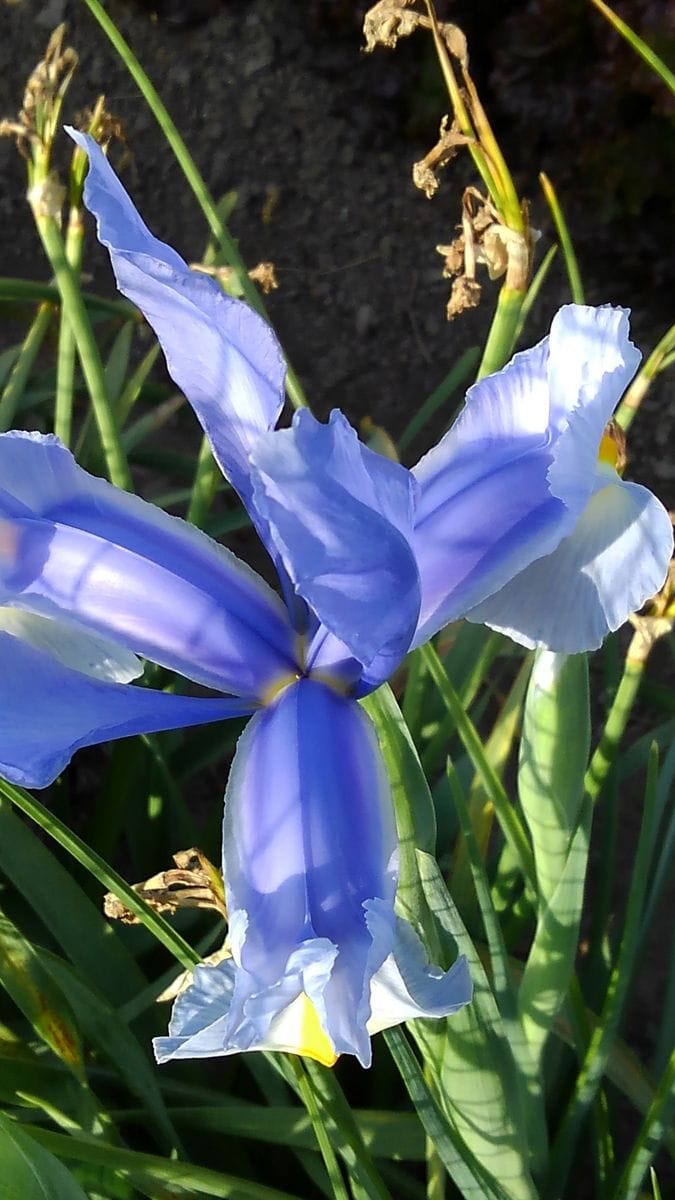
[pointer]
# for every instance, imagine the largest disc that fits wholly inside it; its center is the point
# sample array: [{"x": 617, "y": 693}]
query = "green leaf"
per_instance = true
[
  {"x": 79, "y": 928},
  {"x": 385, "y": 1134},
  {"x": 553, "y": 756},
  {"x": 657, "y": 1121},
  {"x": 148, "y": 1170},
  {"x": 471, "y": 1062},
  {"x": 603, "y": 1036},
  {"x": 40, "y": 1000},
  {"x": 112, "y": 1038},
  {"x": 415, "y": 818},
  {"x": 154, "y": 921},
  {"x": 29, "y": 1172}
]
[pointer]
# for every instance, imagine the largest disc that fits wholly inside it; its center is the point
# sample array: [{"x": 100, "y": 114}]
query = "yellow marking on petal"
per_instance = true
[
  {"x": 9, "y": 541},
  {"x": 609, "y": 451},
  {"x": 297, "y": 1030},
  {"x": 272, "y": 690},
  {"x": 612, "y": 449},
  {"x": 313, "y": 1042},
  {"x": 331, "y": 681}
]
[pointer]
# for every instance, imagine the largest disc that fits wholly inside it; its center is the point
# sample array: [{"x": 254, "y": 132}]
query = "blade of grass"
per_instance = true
[
  {"x": 74, "y": 922},
  {"x": 320, "y": 1131},
  {"x": 639, "y": 46},
  {"x": 569, "y": 256},
  {"x": 595, "y": 1061},
  {"x": 183, "y": 1178},
  {"x": 20, "y": 373},
  {"x": 507, "y": 816},
  {"x": 650, "y": 1136},
  {"x": 463, "y": 1168},
  {"x": 26, "y": 291},
  {"x": 456, "y": 376},
  {"x": 153, "y": 921},
  {"x": 87, "y": 349}
]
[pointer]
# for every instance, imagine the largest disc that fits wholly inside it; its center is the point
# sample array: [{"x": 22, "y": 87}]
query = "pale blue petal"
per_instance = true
[
  {"x": 614, "y": 560},
  {"x": 217, "y": 1015},
  {"x": 485, "y": 509},
  {"x": 308, "y": 839},
  {"x": 48, "y": 711},
  {"x": 591, "y": 363},
  {"x": 84, "y": 652},
  {"x": 75, "y": 548},
  {"x": 407, "y": 986},
  {"x": 207, "y": 1020},
  {"x": 220, "y": 353},
  {"x": 335, "y": 518}
]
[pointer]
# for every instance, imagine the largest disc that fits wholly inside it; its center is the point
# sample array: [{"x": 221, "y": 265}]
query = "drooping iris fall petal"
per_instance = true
[
  {"x": 75, "y": 548},
  {"x": 49, "y": 710}
]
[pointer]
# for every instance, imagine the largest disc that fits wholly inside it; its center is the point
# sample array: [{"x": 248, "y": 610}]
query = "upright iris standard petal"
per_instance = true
[
  {"x": 75, "y": 548},
  {"x": 613, "y": 561},
  {"x": 591, "y": 362},
  {"x": 220, "y": 353},
  {"x": 485, "y": 507},
  {"x": 339, "y": 524},
  {"x": 515, "y": 473},
  {"x": 48, "y": 711}
]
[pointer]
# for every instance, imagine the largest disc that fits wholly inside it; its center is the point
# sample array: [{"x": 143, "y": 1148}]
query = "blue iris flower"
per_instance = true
[{"x": 513, "y": 519}]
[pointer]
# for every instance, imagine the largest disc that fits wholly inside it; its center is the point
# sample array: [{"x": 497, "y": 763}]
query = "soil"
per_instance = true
[{"x": 277, "y": 101}]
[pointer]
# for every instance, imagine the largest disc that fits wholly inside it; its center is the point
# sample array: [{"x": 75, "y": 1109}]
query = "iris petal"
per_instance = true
[
  {"x": 76, "y": 548},
  {"x": 405, "y": 987},
  {"x": 336, "y": 520},
  {"x": 308, "y": 840},
  {"x": 84, "y": 652},
  {"x": 591, "y": 362},
  {"x": 613, "y": 561},
  {"x": 48, "y": 711},
  {"x": 485, "y": 501},
  {"x": 408, "y": 986},
  {"x": 221, "y": 354}
]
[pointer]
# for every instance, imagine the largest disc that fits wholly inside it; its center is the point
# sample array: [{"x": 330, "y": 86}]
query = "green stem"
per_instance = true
[
  {"x": 652, "y": 1133},
  {"x": 659, "y": 359},
  {"x": 87, "y": 349},
  {"x": 604, "y": 1034},
  {"x": 509, "y": 821},
  {"x": 615, "y": 725},
  {"x": 503, "y": 331},
  {"x": 571, "y": 263},
  {"x": 194, "y": 178},
  {"x": 327, "y": 1152},
  {"x": 657, "y": 64},
  {"x": 181, "y": 950},
  {"x": 207, "y": 478},
  {"x": 65, "y": 360},
  {"x": 16, "y": 384},
  {"x": 534, "y": 290}
]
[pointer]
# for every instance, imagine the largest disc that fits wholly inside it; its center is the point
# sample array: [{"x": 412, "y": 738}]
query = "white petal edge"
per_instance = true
[
  {"x": 615, "y": 558},
  {"x": 92, "y": 655}
]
